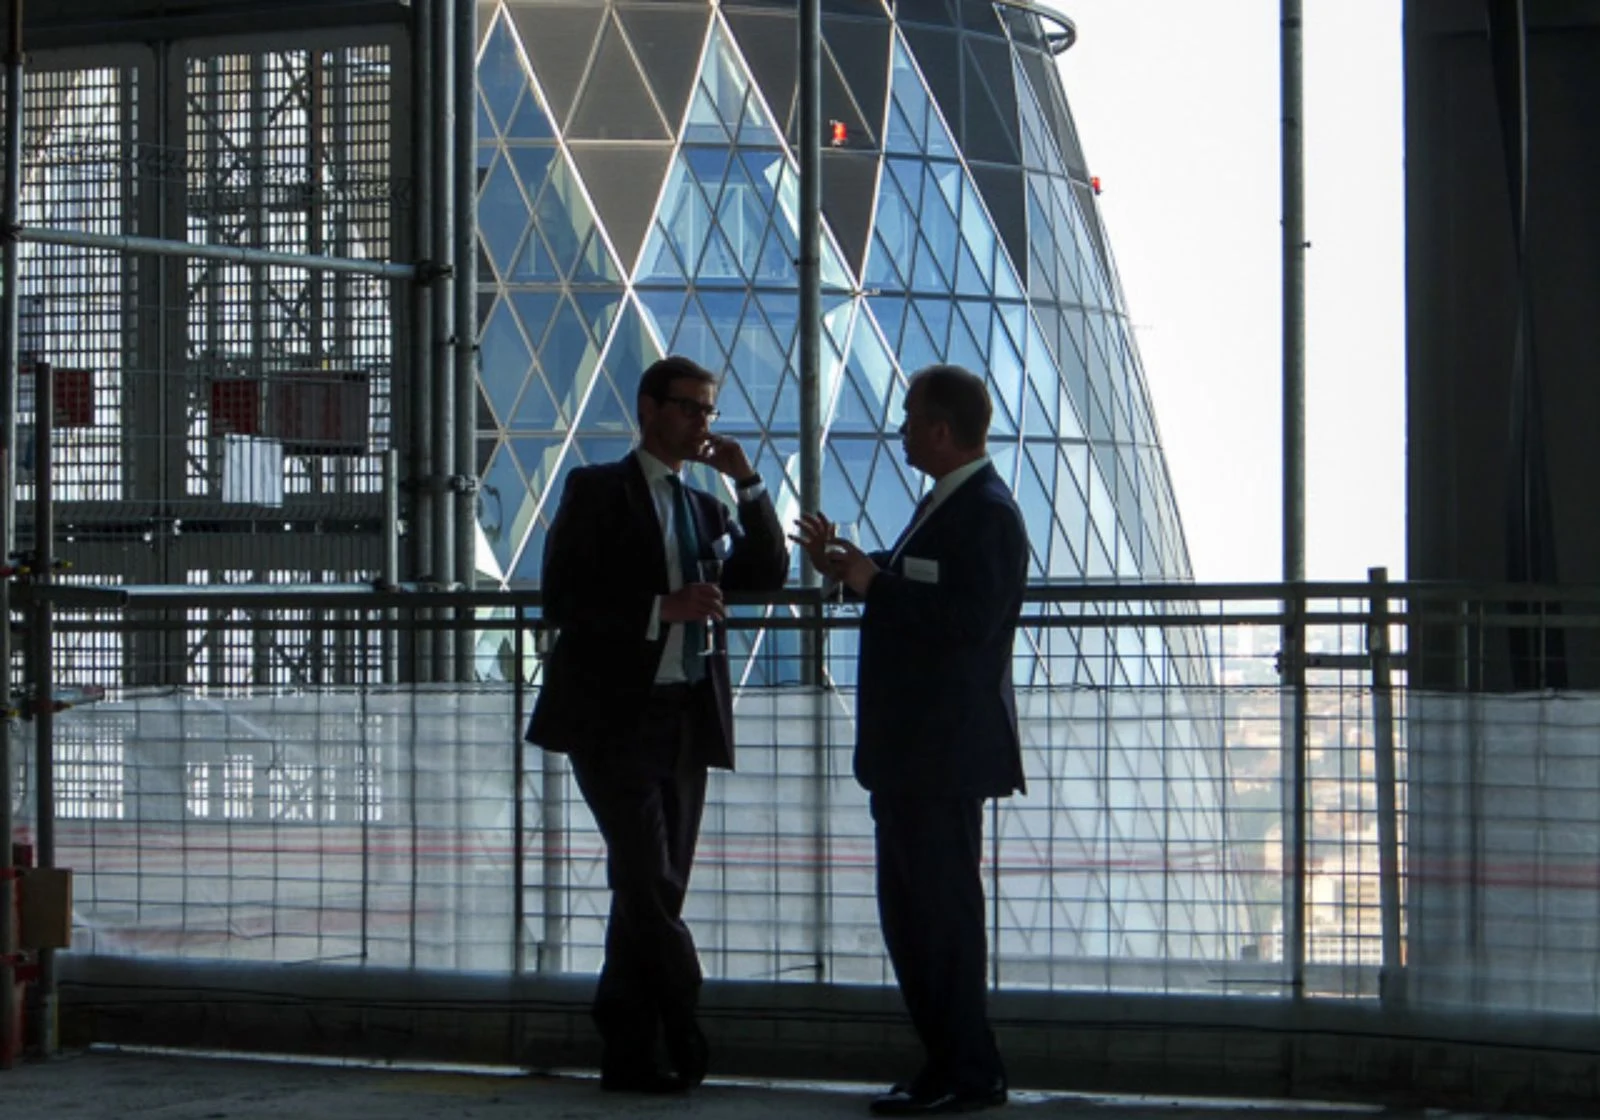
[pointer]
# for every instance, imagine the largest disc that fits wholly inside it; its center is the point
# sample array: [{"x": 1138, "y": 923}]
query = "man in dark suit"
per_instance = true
[
  {"x": 640, "y": 706},
  {"x": 936, "y": 727}
]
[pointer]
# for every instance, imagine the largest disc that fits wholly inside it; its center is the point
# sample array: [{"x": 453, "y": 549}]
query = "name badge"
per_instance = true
[{"x": 920, "y": 570}]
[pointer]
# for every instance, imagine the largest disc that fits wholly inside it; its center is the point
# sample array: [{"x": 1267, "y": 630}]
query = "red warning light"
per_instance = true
[
  {"x": 840, "y": 134},
  {"x": 1094, "y": 183}
]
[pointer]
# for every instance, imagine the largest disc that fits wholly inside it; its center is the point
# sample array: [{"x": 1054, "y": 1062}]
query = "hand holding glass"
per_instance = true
[
  {"x": 709, "y": 571},
  {"x": 842, "y": 531}
]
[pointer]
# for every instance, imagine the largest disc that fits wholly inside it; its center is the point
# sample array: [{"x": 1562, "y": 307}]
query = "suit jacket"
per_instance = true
[
  {"x": 936, "y": 715},
  {"x": 605, "y": 562}
]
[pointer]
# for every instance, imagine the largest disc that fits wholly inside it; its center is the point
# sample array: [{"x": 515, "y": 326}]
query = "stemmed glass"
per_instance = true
[
  {"x": 709, "y": 571},
  {"x": 843, "y": 531}
]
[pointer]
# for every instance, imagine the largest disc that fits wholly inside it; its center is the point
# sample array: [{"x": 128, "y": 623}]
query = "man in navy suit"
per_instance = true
[
  {"x": 936, "y": 727},
  {"x": 633, "y": 696}
]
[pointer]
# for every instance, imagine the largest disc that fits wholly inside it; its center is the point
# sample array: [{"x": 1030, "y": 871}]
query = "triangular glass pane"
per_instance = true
[
  {"x": 502, "y": 215},
  {"x": 1033, "y": 498},
  {"x": 504, "y": 358},
  {"x": 536, "y": 412},
  {"x": 664, "y": 308},
  {"x": 598, "y": 310},
  {"x": 737, "y": 415},
  {"x": 881, "y": 273},
  {"x": 535, "y": 309},
  {"x": 708, "y": 167},
  {"x": 723, "y": 80},
  {"x": 615, "y": 103},
  {"x": 501, "y": 77},
  {"x": 936, "y": 314},
  {"x": 927, "y": 274},
  {"x": 719, "y": 264},
  {"x": 486, "y": 127},
  {"x": 970, "y": 278},
  {"x": 775, "y": 265},
  {"x": 659, "y": 262},
  {"x": 854, "y": 457},
  {"x": 534, "y": 261},
  {"x": 873, "y": 369},
  {"x": 605, "y": 411},
  {"x": 563, "y": 217},
  {"x": 839, "y": 499},
  {"x": 949, "y": 178},
  {"x": 502, "y": 496},
  {"x": 851, "y": 412},
  {"x": 1064, "y": 562},
  {"x": 890, "y": 313},
  {"x": 696, "y": 340},
  {"x": 599, "y": 449},
  {"x": 686, "y": 216},
  {"x": 632, "y": 350},
  {"x": 595, "y": 265},
  {"x": 533, "y": 166},
  {"x": 902, "y": 138},
  {"x": 756, "y": 128},
  {"x": 667, "y": 41},
  {"x": 704, "y": 125},
  {"x": 531, "y": 121},
  {"x": 568, "y": 358},
  {"x": 723, "y": 310},
  {"x": 889, "y": 500}
]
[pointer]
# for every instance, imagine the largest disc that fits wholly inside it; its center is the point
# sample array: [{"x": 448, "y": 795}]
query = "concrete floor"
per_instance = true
[{"x": 166, "y": 1086}]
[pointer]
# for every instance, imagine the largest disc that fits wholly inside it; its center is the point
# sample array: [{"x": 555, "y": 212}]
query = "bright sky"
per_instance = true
[{"x": 1177, "y": 107}]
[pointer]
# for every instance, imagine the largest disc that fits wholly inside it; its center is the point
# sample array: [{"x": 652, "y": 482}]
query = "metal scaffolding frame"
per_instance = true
[{"x": 433, "y": 362}]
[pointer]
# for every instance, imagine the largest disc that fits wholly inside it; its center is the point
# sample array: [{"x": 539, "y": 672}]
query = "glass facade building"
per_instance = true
[{"x": 639, "y": 196}]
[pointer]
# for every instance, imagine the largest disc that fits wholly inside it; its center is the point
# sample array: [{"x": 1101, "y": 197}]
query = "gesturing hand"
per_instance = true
[
  {"x": 693, "y": 602},
  {"x": 814, "y": 532},
  {"x": 849, "y": 565}
]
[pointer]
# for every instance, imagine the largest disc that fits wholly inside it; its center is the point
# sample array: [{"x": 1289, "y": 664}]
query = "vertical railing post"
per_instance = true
[
  {"x": 1390, "y": 989},
  {"x": 519, "y": 776},
  {"x": 43, "y": 698},
  {"x": 555, "y": 851},
  {"x": 10, "y": 294},
  {"x": 1292, "y": 670}
]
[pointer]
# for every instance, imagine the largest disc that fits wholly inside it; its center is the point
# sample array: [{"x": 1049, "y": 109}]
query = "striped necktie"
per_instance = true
[{"x": 694, "y": 633}]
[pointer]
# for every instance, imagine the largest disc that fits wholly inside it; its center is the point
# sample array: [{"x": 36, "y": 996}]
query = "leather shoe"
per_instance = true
[
  {"x": 640, "y": 1079},
  {"x": 902, "y": 1101},
  {"x": 687, "y": 1048}
]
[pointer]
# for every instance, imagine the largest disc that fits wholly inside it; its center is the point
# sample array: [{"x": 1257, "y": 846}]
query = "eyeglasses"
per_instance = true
[{"x": 693, "y": 408}]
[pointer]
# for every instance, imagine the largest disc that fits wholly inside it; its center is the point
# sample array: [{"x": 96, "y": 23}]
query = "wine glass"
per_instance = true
[
  {"x": 709, "y": 571},
  {"x": 843, "y": 531}
]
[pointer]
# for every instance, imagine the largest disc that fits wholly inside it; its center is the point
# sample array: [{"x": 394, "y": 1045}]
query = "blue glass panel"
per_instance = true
[
  {"x": 723, "y": 79},
  {"x": 632, "y": 350},
  {"x": 598, "y": 310},
  {"x": 902, "y": 138},
  {"x": 775, "y": 264},
  {"x": 907, "y": 176},
  {"x": 756, "y": 126},
  {"x": 1033, "y": 497},
  {"x": 503, "y": 494},
  {"x": 768, "y": 173},
  {"x": 738, "y": 417},
  {"x": 786, "y": 411},
  {"x": 567, "y": 359},
  {"x": 500, "y": 73},
  {"x": 1064, "y": 560},
  {"x": 696, "y": 339},
  {"x": 535, "y": 309},
  {"x": 704, "y": 124},
  {"x": 890, "y": 501},
  {"x": 601, "y": 450},
  {"x": 708, "y": 166},
  {"x": 718, "y": 265},
  {"x": 502, "y": 215},
  {"x": 534, "y": 262},
  {"x": 872, "y": 369},
  {"x": 936, "y": 315},
  {"x": 1099, "y": 564},
  {"x": 594, "y": 262},
  {"x": 664, "y": 308},
  {"x": 686, "y": 216},
  {"x": 563, "y": 217},
  {"x": 890, "y": 314},
  {"x": 949, "y": 177},
  {"x": 782, "y": 311},
  {"x": 1003, "y": 453},
  {"x": 917, "y": 348},
  {"x": 1007, "y": 281},
  {"x": 723, "y": 310},
  {"x": 975, "y": 226},
  {"x": 835, "y": 276},
  {"x": 927, "y": 273},
  {"x": 531, "y": 121},
  {"x": 486, "y": 127},
  {"x": 881, "y": 274},
  {"x": 659, "y": 262},
  {"x": 839, "y": 499},
  {"x": 1005, "y": 366},
  {"x": 536, "y": 412},
  {"x": 855, "y": 458},
  {"x": 971, "y": 279},
  {"x": 539, "y": 458},
  {"x": 533, "y": 166},
  {"x": 504, "y": 358},
  {"x": 605, "y": 410},
  {"x": 851, "y": 412}
]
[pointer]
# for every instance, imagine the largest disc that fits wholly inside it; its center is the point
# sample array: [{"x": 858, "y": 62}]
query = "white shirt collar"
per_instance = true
[
  {"x": 654, "y": 469},
  {"x": 948, "y": 484}
]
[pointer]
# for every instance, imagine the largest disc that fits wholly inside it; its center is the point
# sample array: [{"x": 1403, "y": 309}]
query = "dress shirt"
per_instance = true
[{"x": 656, "y": 473}]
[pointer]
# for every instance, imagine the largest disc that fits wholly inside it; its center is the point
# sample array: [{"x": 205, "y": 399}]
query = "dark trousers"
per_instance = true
[
  {"x": 930, "y": 904},
  {"x": 647, "y": 799}
]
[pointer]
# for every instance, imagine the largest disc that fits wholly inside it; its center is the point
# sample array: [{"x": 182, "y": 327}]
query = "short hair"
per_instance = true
[
  {"x": 959, "y": 398},
  {"x": 656, "y": 381}
]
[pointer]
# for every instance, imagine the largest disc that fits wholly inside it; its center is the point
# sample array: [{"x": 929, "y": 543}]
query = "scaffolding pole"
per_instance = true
[
  {"x": 442, "y": 426},
  {"x": 239, "y": 254},
  {"x": 10, "y": 1044},
  {"x": 420, "y": 398},
  {"x": 465, "y": 366},
  {"x": 42, "y": 700}
]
